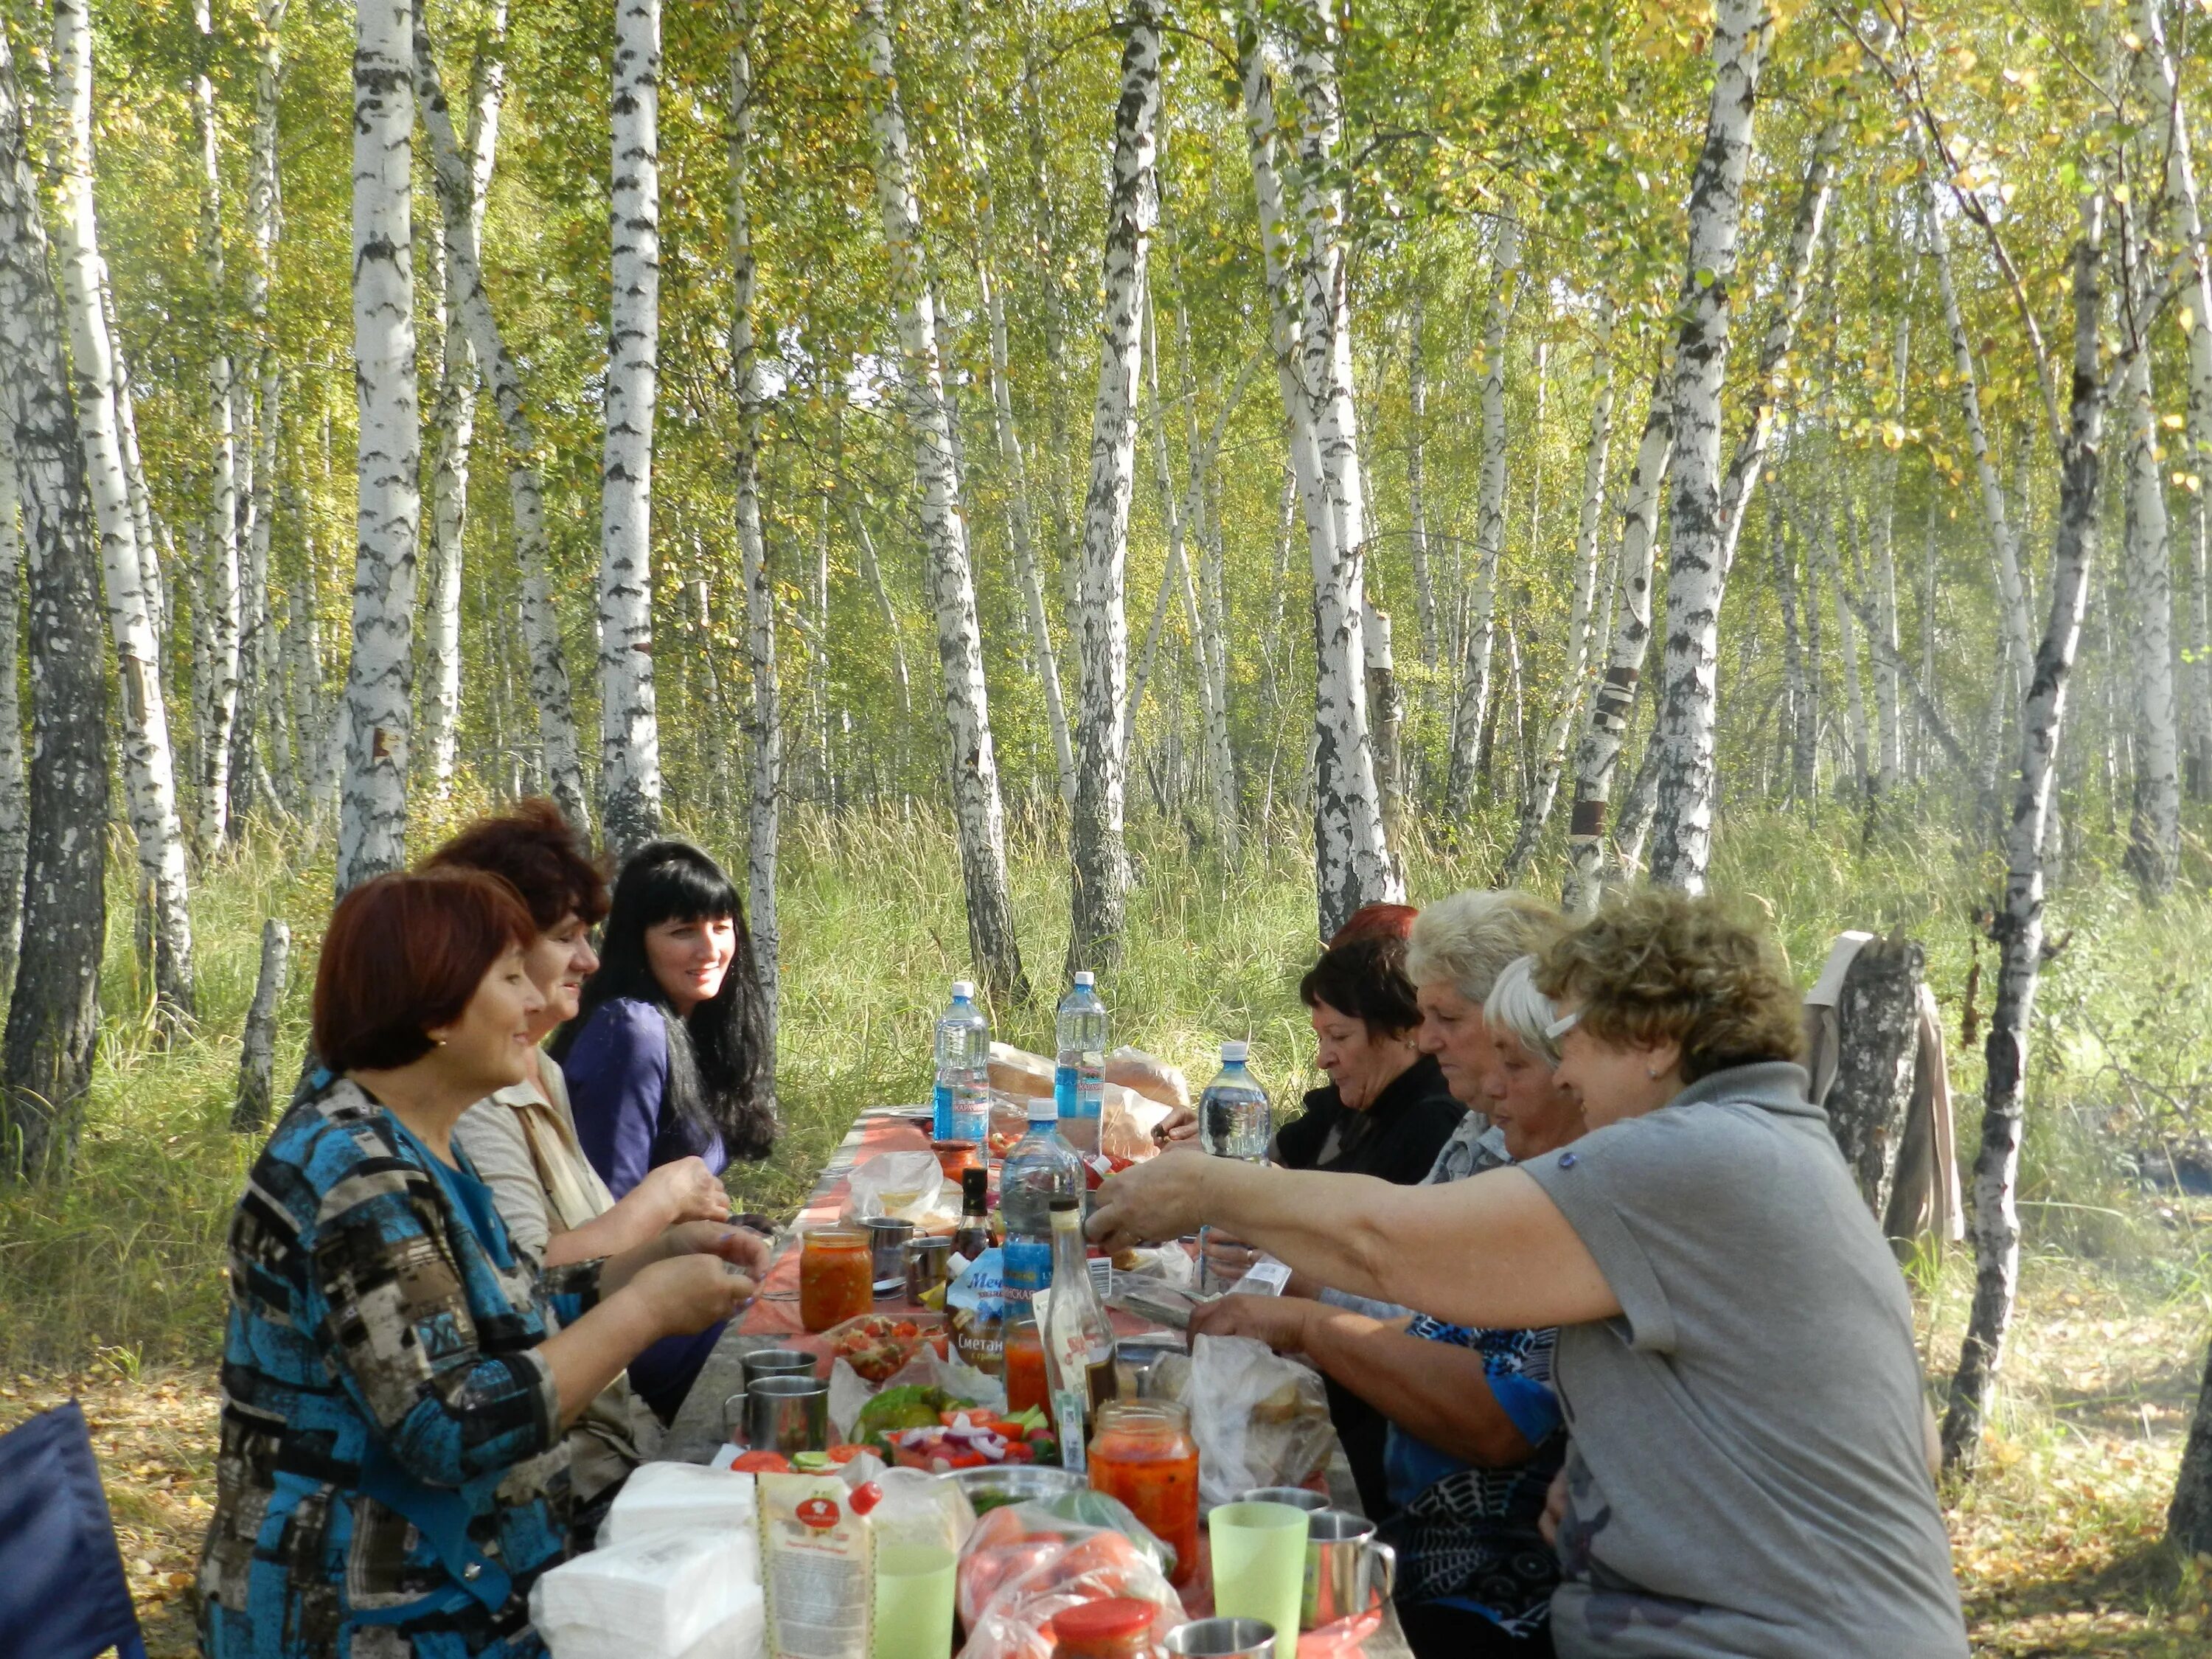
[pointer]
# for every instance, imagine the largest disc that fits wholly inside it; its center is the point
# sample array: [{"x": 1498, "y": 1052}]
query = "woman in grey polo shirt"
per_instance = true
[{"x": 1748, "y": 1473}]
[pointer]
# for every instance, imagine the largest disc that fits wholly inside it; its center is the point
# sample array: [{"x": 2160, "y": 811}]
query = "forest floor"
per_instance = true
[{"x": 2056, "y": 1541}]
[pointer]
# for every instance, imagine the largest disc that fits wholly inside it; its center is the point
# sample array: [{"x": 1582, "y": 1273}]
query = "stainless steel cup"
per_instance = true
[
  {"x": 1348, "y": 1568},
  {"x": 887, "y": 1237},
  {"x": 776, "y": 1361},
  {"x": 1296, "y": 1497},
  {"x": 928, "y": 1268},
  {"x": 1223, "y": 1638},
  {"x": 787, "y": 1414}
]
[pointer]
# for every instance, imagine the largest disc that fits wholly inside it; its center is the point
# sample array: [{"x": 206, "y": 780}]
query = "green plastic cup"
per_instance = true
[
  {"x": 914, "y": 1602},
  {"x": 1259, "y": 1563}
]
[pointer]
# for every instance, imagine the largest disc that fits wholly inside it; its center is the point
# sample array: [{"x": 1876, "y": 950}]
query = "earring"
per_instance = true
[
  {"x": 441, "y": 1043},
  {"x": 1651, "y": 1071}
]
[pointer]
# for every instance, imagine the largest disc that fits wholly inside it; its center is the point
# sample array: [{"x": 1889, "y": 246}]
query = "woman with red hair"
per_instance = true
[{"x": 396, "y": 1380}]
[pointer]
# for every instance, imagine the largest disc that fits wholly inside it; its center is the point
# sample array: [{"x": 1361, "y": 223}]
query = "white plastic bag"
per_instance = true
[
  {"x": 1260, "y": 1419},
  {"x": 904, "y": 1185}
]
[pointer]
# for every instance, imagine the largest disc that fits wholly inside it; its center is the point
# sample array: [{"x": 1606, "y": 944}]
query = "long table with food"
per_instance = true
[{"x": 995, "y": 1464}]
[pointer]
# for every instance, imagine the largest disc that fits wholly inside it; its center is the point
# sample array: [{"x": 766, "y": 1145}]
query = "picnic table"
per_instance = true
[{"x": 773, "y": 1320}]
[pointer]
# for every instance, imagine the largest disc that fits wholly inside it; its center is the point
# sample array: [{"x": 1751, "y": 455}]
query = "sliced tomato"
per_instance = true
[
  {"x": 844, "y": 1454},
  {"x": 1020, "y": 1451},
  {"x": 762, "y": 1462}
]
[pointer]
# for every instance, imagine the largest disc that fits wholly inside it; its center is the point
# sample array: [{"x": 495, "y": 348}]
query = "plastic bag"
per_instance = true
[
  {"x": 1260, "y": 1419},
  {"x": 1148, "y": 1075},
  {"x": 920, "y": 1508},
  {"x": 660, "y": 1597},
  {"x": 1025, "y": 1563},
  {"x": 878, "y": 1346},
  {"x": 904, "y": 1185}
]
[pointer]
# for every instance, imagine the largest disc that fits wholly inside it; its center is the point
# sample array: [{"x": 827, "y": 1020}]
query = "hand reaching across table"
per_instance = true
[{"x": 1280, "y": 1321}]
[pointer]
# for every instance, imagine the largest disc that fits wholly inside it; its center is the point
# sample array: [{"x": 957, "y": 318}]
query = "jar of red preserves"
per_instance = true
[
  {"x": 1143, "y": 1454},
  {"x": 1118, "y": 1628},
  {"x": 835, "y": 1279}
]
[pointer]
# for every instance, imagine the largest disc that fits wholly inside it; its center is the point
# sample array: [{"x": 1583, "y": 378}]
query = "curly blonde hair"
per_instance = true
[{"x": 1659, "y": 965}]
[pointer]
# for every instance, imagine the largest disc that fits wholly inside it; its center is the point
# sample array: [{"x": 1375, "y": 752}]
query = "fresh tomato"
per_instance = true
[
  {"x": 762, "y": 1462},
  {"x": 1020, "y": 1451},
  {"x": 845, "y": 1454}
]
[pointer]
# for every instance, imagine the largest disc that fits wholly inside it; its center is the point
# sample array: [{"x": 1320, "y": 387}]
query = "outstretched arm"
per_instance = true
[{"x": 1493, "y": 1250}]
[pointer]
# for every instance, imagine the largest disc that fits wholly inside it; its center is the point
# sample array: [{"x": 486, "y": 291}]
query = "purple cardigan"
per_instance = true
[{"x": 617, "y": 1075}]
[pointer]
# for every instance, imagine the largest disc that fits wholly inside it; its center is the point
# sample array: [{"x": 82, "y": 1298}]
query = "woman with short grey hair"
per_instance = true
[{"x": 1516, "y": 1008}]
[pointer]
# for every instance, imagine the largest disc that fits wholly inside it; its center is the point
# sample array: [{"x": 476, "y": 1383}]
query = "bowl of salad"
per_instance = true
[{"x": 996, "y": 1486}]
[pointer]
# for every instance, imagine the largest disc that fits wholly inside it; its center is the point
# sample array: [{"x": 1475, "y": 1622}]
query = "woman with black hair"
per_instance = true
[{"x": 663, "y": 1058}]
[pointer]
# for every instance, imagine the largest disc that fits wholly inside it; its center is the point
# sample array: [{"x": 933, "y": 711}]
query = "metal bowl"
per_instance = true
[{"x": 1012, "y": 1483}]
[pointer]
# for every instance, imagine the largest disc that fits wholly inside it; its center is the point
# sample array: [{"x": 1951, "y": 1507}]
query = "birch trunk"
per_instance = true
[
  {"x": 143, "y": 529},
  {"x": 2153, "y": 856},
  {"x": 1352, "y": 860},
  {"x": 1847, "y": 645},
  {"x": 977, "y": 809},
  {"x": 630, "y": 727},
  {"x": 1481, "y": 632},
  {"x": 54, "y": 1017},
  {"x": 1804, "y": 705},
  {"x": 2168, "y": 135},
  {"x": 453, "y": 415},
  {"x": 764, "y": 726},
  {"x": 1614, "y": 700},
  {"x": 379, "y": 681},
  {"x": 218, "y": 693},
  {"x": 15, "y": 809},
  {"x": 872, "y": 571},
  {"x": 2018, "y": 925},
  {"x": 541, "y": 628},
  {"x": 1697, "y": 557},
  {"x": 1881, "y": 511},
  {"x": 256, "y": 1049},
  {"x": 1536, "y": 809},
  {"x": 1210, "y": 622},
  {"x": 1101, "y": 868},
  {"x": 1417, "y": 492},
  {"x": 149, "y": 769}
]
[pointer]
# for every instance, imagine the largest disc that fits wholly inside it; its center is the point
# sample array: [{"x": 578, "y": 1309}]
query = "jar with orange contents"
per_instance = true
[
  {"x": 835, "y": 1281},
  {"x": 1143, "y": 1454}
]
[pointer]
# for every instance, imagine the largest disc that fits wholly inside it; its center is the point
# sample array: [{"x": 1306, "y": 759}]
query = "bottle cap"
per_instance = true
[
  {"x": 963, "y": 989},
  {"x": 1063, "y": 1203},
  {"x": 975, "y": 1186},
  {"x": 1043, "y": 1109},
  {"x": 1233, "y": 1053},
  {"x": 1086, "y": 980}
]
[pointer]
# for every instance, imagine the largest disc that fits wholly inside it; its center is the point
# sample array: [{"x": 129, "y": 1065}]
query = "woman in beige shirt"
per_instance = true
[{"x": 522, "y": 1139}]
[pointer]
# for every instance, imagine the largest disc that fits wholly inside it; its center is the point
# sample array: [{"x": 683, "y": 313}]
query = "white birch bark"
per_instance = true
[
  {"x": 2168, "y": 136},
  {"x": 1099, "y": 890},
  {"x": 257, "y": 1048},
  {"x": 1889, "y": 752},
  {"x": 144, "y": 528},
  {"x": 14, "y": 807},
  {"x": 453, "y": 415},
  {"x": 2153, "y": 856},
  {"x": 149, "y": 769},
  {"x": 1689, "y": 697},
  {"x": 1473, "y": 710},
  {"x": 1536, "y": 808},
  {"x": 2018, "y": 925},
  {"x": 53, "y": 1014},
  {"x": 1417, "y": 490},
  {"x": 541, "y": 629},
  {"x": 764, "y": 726},
  {"x": 1351, "y": 862},
  {"x": 1598, "y": 754},
  {"x": 1803, "y": 736},
  {"x": 1210, "y": 623},
  {"x": 380, "y": 679},
  {"x": 978, "y": 812},
  {"x": 872, "y": 571},
  {"x": 630, "y": 727},
  {"x": 1847, "y": 644},
  {"x": 218, "y": 693}
]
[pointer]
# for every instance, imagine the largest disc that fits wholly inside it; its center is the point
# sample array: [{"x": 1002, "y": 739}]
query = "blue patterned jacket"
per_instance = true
[{"x": 393, "y": 1476}]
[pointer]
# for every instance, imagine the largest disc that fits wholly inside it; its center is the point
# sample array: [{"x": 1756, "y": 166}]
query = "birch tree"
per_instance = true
[
  {"x": 978, "y": 810},
  {"x": 2153, "y": 855},
  {"x": 149, "y": 771},
  {"x": 541, "y": 628},
  {"x": 453, "y": 414},
  {"x": 379, "y": 681},
  {"x": 1472, "y": 709},
  {"x": 630, "y": 727},
  {"x": 218, "y": 690},
  {"x": 764, "y": 725},
  {"x": 54, "y": 1017},
  {"x": 1098, "y": 891},
  {"x": 1417, "y": 483},
  {"x": 14, "y": 807},
  {"x": 1696, "y": 567}
]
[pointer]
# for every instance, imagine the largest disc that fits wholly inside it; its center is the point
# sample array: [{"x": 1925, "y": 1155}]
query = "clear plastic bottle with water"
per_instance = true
[
  {"x": 961, "y": 1110},
  {"x": 1235, "y": 1119},
  {"x": 1079, "y": 1080},
  {"x": 1040, "y": 1167}
]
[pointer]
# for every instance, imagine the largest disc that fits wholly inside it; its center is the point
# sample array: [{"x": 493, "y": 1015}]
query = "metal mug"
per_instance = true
[
  {"x": 887, "y": 1237},
  {"x": 928, "y": 1268},
  {"x": 1298, "y": 1498},
  {"x": 1222, "y": 1639},
  {"x": 787, "y": 1414},
  {"x": 1348, "y": 1569},
  {"x": 776, "y": 1361}
]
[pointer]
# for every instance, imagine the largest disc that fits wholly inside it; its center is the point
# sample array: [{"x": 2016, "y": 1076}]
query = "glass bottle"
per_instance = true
[
  {"x": 1079, "y": 1341},
  {"x": 973, "y": 1236}
]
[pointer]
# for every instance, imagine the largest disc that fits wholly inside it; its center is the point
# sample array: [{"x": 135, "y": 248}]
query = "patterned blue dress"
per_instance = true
[{"x": 393, "y": 1476}]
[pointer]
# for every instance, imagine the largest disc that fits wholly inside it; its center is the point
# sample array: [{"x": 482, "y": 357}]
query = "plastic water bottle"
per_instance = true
[
  {"x": 1234, "y": 1117},
  {"x": 1040, "y": 1167},
  {"x": 1079, "y": 1080},
  {"x": 963, "y": 1103}
]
